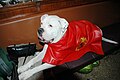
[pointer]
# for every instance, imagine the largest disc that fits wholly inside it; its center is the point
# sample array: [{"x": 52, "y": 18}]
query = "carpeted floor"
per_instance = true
[{"x": 109, "y": 69}]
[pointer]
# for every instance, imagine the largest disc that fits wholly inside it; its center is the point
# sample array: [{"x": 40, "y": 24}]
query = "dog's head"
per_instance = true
[{"x": 52, "y": 27}]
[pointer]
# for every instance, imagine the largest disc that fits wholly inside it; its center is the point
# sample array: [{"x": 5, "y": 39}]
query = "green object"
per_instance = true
[
  {"x": 95, "y": 64},
  {"x": 87, "y": 69},
  {"x": 6, "y": 65}
]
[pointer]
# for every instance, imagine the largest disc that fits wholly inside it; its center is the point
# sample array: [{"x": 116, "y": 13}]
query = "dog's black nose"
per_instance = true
[{"x": 40, "y": 31}]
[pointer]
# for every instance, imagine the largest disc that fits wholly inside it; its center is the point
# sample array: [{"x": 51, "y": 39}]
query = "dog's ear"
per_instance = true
[
  {"x": 64, "y": 23},
  {"x": 43, "y": 17}
]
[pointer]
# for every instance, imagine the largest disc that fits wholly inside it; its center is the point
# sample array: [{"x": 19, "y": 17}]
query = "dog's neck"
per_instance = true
[{"x": 59, "y": 37}]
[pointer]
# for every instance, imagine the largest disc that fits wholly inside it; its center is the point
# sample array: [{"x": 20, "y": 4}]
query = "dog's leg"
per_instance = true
[
  {"x": 39, "y": 57},
  {"x": 25, "y": 75}
]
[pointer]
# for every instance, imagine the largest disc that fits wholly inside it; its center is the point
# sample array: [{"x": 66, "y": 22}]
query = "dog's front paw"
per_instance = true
[
  {"x": 25, "y": 75},
  {"x": 22, "y": 69}
]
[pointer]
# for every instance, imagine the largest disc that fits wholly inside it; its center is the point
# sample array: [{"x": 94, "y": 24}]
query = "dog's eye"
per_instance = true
[{"x": 50, "y": 25}]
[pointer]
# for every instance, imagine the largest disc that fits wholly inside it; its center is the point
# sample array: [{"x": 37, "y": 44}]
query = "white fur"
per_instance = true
[
  {"x": 59, "y": 27},
  {"x": 25, "y": 70},
  {"x": 57, "y": 31}
]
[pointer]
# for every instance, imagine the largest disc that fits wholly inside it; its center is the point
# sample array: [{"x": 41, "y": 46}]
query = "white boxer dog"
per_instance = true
[
  {"x": 51, "y": 31},
  {"x": 51, "y": 35}
]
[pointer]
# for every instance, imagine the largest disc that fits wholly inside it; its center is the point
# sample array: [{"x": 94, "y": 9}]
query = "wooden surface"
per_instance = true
[{"x": 24, "y": 10}]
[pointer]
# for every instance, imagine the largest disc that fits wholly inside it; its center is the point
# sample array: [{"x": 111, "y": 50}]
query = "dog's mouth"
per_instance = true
[{"x": 41, "y": 39}]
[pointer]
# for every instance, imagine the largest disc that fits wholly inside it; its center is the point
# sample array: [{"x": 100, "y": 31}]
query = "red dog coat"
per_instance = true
[{"x": 81, "y": 37}]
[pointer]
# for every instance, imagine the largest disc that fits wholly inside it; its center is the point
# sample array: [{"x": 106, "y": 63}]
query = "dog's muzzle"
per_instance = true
[
  {"x": 40, "y": 37},
  {"x": 40, "y": 31}
]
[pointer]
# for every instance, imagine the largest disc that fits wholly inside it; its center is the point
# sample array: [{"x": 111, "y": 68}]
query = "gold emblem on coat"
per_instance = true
[{"x": 83, "y": 41}]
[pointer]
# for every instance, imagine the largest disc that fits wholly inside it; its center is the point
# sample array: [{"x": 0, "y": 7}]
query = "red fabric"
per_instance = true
[{"x": 81, "y": 37}]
